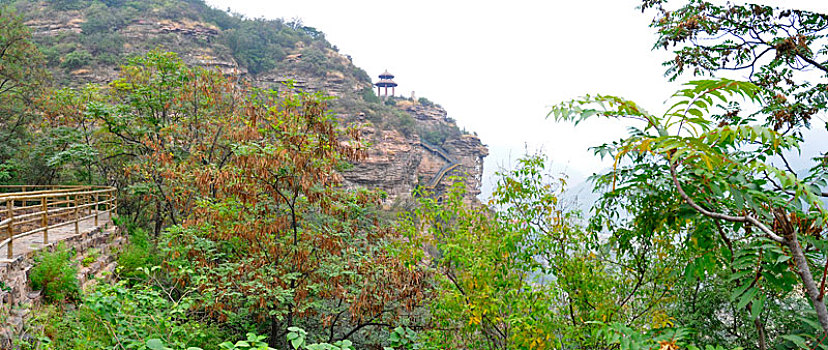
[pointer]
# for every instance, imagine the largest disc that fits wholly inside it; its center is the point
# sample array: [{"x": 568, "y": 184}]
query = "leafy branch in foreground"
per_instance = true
[{"x": 750, "y": 212}]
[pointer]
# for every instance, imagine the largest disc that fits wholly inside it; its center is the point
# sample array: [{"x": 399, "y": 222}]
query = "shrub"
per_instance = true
[
  {"x": 90, "y": 257},
  {"x": 56, "y": 276},
  {"x": 69, "y": 4},
  {"x": 369, "y": 96},
  {"x": 137, "y": 254},
  {"x": 77, "y": 59},
  {"x": 100, "y": 19},
  {"x": 402, "y": 122},
  {"x": 104, "y": 43},
  {"x": 115, "y": 316}
]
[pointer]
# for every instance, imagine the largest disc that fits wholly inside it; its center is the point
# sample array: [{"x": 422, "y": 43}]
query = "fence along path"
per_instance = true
[{"x": 32, "y": 216}]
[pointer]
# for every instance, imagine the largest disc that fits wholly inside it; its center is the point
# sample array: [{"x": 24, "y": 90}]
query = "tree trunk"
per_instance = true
[
  {"x": 760, "y": 328},
  {"x": 159, "y": 218},
  {"x": 811, "y": 288}
]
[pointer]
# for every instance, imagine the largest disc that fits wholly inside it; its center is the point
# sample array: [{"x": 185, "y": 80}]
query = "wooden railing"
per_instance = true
[{"x": 27, "y": 209}]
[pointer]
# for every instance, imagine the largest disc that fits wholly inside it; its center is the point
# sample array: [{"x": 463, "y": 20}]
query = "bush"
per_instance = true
[
  {"x": 136, "y": 255},
  {"x": 56, "y": 276},
  {"x": 77, "y": 59},
  {"x": 403, "y": 123},
  {"x": 91, "y": 257},
  {"x": 369, "y": 96},
  {"x": 117, "y": 316},
  {"x": 425, "y": 102},
  {"x": 258, "y": 44},
  {"x": 69, "y": 4},
  {"x": 439, "y": 133},
  {"x": 100, "y": 19}
]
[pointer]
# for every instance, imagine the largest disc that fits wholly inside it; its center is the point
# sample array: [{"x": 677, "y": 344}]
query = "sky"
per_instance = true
[{"x": 498, "y": 66}]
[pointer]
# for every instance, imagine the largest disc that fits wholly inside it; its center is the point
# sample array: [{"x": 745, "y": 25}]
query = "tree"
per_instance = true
[
  {"x": 158, "y": 119},
  {"x": 782, "y": 51},
  {"x": 521, "y": 273},
  {"x": 744, "y": 209},
  {"x": 21, "y": 77},
  {"x": 776, "y": 48},
  {"x": 274, "y": 240}
]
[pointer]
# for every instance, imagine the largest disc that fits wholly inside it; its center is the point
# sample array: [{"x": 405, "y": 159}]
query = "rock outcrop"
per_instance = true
[{"x": 398, "y": 164}]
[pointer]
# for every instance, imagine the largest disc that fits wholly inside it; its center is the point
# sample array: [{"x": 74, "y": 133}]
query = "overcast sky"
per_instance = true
[{"x": 497, "y": 66}]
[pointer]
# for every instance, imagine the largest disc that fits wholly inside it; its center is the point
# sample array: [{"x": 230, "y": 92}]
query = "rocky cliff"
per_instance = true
[
  {"x": 414, "y": 142},
  {"x": 398, "y": 164}
]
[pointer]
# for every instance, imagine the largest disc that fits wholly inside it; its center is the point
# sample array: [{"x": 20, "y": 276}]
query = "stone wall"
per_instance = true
[{"x": 16, "y": 296}]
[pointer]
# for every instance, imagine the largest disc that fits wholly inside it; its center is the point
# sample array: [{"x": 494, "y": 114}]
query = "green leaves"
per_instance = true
[
  {"x": 156, "y": 344},
  {"x": 732, "y": 168},
  {"x": 296, "y": 336},
  {"x": 253, "y": 342}
]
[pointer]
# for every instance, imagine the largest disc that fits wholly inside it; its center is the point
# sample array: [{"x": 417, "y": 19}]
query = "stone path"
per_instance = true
[{"x": 33, "y": 242}]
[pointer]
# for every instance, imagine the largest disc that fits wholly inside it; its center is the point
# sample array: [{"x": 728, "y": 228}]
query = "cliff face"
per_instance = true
[
  {"x": 398, "y": 164},
  {"x": 413, "y": 143}
]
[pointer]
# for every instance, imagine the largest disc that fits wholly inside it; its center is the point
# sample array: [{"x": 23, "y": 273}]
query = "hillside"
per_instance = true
[{"x": 87, "y": 41}]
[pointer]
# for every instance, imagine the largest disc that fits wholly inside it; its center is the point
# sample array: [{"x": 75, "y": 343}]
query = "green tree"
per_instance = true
[
  {"x": 749, "y": 220},
  {"x": 520, "y": 273},
  {"x": 776, "y": 48},
  {"x": 77, "y": 59},
  {"x": 21, "y": 79}
]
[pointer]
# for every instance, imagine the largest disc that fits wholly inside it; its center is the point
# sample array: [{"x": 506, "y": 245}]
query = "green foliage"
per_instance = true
[
  {"x": 258, "y": 44},
  {"x": 710, "y": 181},
  {"x": 402, "y": 339},
  {"x": 297, "y": 338},
  {"x": 114, "y": 315},
  {"x": 437, "y": 134},
  {"x": 91, "y": 256},
  {"x": 369, "y": 96},
  {"x": 521, "y": 273},
  {"x": 77, "y": 59},
  {"x": 70, "y": 4},
  {"x": 101, "y": 19},
  {"x": 402, "y": 122},
  {"x": 425, "y": 102},
  {"x": 55, "y": 275},
  {"x": 253, "y": 342},
  {"x": 137, "y": 255},
  {"x": 792, "y": 43},
  {"x": 22, "y": 76}
]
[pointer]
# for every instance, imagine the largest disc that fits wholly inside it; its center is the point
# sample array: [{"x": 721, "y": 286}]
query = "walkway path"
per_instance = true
[
  {"x": 27, "y": 244},
  {"x": 452, "y": 164},
  {"x": 32, "y": 216}
]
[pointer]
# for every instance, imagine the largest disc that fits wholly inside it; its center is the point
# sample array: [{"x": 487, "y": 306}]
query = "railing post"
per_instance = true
[
  {"x": 77, "y": 215},
  {"x": 45, "y": 220},
  {"x": 96, "y": 208},
  {"x": 10, "y": 227}
]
